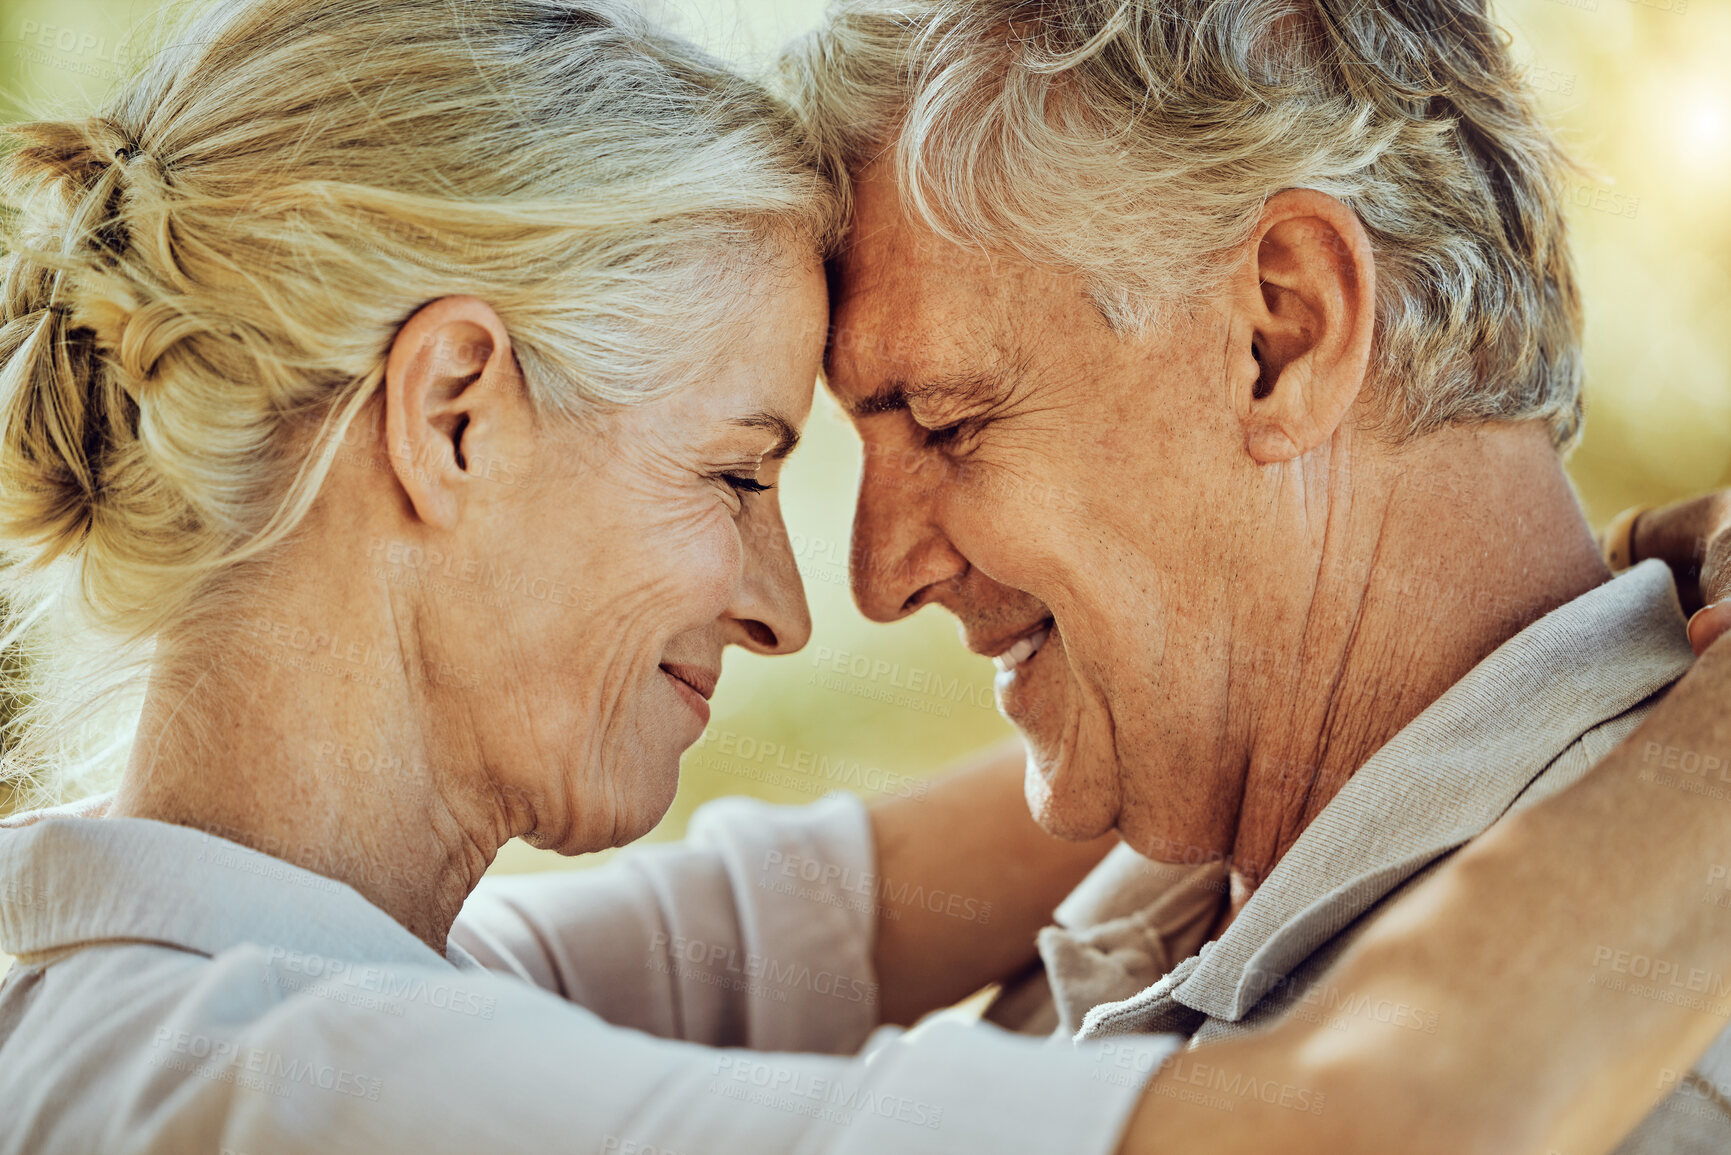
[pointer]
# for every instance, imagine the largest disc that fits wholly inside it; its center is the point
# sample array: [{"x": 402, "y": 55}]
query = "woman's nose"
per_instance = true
[{"x": 770, "y": 613}]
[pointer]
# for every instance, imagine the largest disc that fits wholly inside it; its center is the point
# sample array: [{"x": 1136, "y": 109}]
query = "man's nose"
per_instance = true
[{"x": 900, "y": 552}]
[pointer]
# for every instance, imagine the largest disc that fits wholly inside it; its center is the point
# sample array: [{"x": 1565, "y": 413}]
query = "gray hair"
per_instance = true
[
  {"x": 200, "y": 285},
  {"x": 1136, "y": 142}
]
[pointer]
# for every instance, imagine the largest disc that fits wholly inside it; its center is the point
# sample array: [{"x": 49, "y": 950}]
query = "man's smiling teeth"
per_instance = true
[{"x": 1024, "y": 649}]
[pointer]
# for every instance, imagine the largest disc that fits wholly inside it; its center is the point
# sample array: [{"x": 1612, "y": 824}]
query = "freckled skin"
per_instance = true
[
  {"x": 517, "y": 582},
  {"x": 1032, "y": 516},
  {"x": 1230, "y": 571},
  {"x": 670, "y": 564}
]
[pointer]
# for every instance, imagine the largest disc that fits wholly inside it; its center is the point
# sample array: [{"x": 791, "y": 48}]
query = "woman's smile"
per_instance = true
[{"x": 694, "y": 684}]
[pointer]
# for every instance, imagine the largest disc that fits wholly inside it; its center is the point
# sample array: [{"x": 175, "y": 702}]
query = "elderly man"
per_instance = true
[{"x": 1213, "y": 364}]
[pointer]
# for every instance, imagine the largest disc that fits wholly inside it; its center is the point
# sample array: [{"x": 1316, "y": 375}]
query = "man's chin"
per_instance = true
[
  {"x": 1067, "y": 796},
  {"x": 1072, "y": 783}
]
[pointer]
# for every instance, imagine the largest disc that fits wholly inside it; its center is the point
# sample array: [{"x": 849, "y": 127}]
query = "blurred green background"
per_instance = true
[{"x": 1642, "y": 93}]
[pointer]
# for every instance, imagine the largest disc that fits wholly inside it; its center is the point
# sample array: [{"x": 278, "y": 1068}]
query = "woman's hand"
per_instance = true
[{"x": 1693, "y": 537}]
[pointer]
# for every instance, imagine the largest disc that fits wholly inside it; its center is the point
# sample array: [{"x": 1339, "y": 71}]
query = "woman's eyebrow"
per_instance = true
[{"x": 786, "y": 436}]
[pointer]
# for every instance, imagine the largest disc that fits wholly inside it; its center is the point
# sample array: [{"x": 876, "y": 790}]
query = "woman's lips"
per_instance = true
[{"x": 694, "y": 684}]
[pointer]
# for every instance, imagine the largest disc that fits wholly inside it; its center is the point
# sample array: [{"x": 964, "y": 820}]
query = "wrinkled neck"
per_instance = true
[
  {"x": 305, "y": 741},
  {"x": 1428, "y": 563}
]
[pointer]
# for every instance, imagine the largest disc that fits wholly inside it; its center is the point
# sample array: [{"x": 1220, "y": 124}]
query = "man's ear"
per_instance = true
[
  {"x": 1303, "y": 309},
  {"x": 454, "y": 403}
]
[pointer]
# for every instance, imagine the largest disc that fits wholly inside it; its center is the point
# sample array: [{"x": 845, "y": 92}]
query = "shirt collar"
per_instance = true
[
  {"x": 1445, "y": 778},
  {"x": 68, "y": 882}
]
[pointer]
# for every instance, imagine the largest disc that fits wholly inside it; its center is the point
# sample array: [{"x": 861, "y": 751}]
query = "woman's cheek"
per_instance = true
[
  {"x": 680, "y": 563},
  {"x": 701, "y": 568},
  {"x": 712, "y": 566}
]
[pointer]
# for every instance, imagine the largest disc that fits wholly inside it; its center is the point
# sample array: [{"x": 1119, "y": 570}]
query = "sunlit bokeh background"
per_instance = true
[{"x": 1641, "y": 91}]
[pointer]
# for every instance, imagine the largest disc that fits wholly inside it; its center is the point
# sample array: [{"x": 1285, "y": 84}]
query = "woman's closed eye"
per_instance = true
[
  {"x": 737, "y": 487},
  {"x": 744, "y": 484}
]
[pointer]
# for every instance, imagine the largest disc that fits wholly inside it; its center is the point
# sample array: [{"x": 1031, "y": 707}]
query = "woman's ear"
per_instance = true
[
  {"x": 455, "y": 406},
  {"x": 1303, "y": 313}
]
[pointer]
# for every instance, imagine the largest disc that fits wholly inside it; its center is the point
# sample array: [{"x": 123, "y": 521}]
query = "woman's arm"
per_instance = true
[
  {"x": 754, "y": 931},
  {"x": 968, "y": 880},
  {"x": 1693, "y": 537},
  {"x": 899, "y": 910},
  {"x": 1505, "y": 943}
]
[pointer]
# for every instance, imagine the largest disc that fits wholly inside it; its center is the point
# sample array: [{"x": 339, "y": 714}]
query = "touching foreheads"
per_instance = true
[{"x": 1136, "y": 141}]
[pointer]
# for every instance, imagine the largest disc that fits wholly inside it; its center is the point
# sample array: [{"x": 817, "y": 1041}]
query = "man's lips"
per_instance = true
[
  {"x": 1008, "y": 651},
  {"x": 694, "y": 683}
]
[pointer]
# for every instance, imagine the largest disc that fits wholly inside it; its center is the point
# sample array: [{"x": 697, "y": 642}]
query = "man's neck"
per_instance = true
[{"x": 1431, "y": 559}]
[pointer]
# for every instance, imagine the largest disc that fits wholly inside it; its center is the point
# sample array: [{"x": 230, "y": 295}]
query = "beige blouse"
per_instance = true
[{"x": 176, "y": 992}]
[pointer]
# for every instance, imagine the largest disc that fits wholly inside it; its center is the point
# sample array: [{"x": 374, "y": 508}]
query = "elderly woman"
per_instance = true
[
  {"x": 405, "y": 385},
  {"x": 411, "y": 379}
]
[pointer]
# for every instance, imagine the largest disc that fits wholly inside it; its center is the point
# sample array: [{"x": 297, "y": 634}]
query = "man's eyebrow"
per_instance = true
[
  {"x": 894, "y": 395},
  {"x": 786, "y": 436},
  {"x": 888, "y": 399}
]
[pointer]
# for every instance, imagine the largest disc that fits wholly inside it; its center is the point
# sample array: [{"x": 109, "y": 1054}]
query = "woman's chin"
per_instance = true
[
  {"x": 601, "y": 818},
  {"x": 650, "y": 798}
]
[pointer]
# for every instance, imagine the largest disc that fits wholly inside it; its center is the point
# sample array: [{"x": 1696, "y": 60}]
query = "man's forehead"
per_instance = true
[
  {"x": 891, "y": 252},
  {"x": 898, "y": 316},
  {"x": 887, "y": 329},
  {"x": 877, "y": 271}
]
